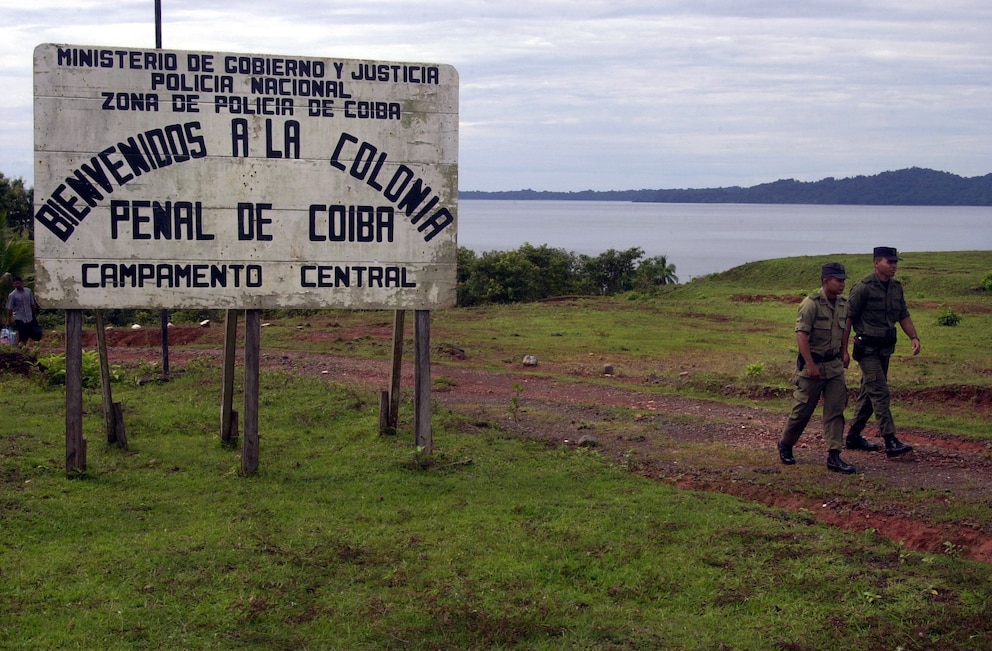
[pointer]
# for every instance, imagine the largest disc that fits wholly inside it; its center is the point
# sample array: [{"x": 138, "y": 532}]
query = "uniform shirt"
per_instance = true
[
  {"x": 824, "y": 323},
  {"x": 876, "y": 307},
  {"x": 21, "y": 303}
]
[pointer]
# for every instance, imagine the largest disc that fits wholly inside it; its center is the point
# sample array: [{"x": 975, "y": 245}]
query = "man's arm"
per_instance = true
[
  {"x": 910, "y": 330},
  {"x": 812, "y": 368},
  {"x": 844, "y": 341}
]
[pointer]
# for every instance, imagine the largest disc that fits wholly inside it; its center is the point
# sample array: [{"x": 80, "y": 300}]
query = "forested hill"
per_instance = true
[{"x": 908, "y": 187}]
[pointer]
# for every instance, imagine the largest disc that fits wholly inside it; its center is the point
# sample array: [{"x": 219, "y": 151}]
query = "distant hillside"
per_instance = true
[{"x": 908, "y": 187}]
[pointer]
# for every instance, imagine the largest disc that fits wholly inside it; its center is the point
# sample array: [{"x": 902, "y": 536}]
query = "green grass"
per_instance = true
[{"x": 342, "y": 541}]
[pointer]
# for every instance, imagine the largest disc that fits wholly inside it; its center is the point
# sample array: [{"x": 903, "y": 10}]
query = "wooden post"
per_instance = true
[
  {"x": 249, "y": 442},
  {"x": 396, "y": 369},
  {"x": 422, "y": 381},
  {"x": 75, "y": 444},
  {"x": 119, "y": 431},
  {"x": 227, "y": 432},
  {"x": 384, "y": 427},
  {"x": 109, "y": 422},
  {"x": 164, "y": 320}
]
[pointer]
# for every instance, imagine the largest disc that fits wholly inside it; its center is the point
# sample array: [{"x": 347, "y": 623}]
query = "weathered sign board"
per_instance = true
[{"x": 180, "y": 179}]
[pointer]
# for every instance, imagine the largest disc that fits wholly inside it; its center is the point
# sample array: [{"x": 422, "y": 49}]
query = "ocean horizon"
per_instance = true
[{"x": 700, "y": 239}]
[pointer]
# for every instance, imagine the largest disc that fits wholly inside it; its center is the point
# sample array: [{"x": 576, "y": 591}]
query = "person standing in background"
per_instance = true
[
  {"x": 875, "y": 306},
  {"x": 22, "y": 310}
]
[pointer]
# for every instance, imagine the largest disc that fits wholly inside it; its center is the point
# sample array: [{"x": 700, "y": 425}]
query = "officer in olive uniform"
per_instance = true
[
  {"x": 875, "y": 306},
  {"x": 821, "y": 363}
]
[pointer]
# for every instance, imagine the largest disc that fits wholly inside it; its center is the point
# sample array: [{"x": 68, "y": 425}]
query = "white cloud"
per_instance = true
[{"x": 566, "y": 95}]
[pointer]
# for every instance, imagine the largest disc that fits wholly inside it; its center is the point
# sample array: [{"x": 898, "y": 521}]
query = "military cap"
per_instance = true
[
  {"x": 833, "y": 270},
  {"x": 887, "y": 252}
]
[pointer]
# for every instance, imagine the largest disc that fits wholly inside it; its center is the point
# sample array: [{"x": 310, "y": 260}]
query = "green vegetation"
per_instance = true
[
  {"x": 52, "y": 369},
  {"x": 948, "y": 317},
  {"x": 534, "y": 273},
  {"x": 350, "y": 540},
  {"x": 15, "y": 204},
  {"x": 16, "y": 256}
]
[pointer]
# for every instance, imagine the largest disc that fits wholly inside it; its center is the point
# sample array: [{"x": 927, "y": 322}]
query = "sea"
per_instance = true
[{"x": 705, "y": 238}]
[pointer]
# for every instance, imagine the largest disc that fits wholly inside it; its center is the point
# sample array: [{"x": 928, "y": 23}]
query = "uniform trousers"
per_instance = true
[
  {"x": 807, "y": 395},
  {"x": 874, "y": 395}
]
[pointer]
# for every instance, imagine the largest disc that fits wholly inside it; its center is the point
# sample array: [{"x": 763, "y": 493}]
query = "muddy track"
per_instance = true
[{"x": 557, "y": 408}]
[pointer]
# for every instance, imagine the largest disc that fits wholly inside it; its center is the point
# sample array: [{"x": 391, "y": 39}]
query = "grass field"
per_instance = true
[{"x": 345, "y": 541}]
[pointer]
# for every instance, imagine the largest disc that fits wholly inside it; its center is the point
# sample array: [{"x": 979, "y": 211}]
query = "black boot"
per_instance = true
[
  {"x": 894, "y": 447},
  {"x": 858, "y": 442},
  {"x": 785, "y": 454},
  {"x": 835, "y": 463}
]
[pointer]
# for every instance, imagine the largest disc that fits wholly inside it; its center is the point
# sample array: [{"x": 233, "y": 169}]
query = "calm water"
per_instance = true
[{"x": 705, "y": 238}]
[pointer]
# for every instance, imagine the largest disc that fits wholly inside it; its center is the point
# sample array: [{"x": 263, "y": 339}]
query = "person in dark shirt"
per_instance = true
[{"x": 875, "y": 306}]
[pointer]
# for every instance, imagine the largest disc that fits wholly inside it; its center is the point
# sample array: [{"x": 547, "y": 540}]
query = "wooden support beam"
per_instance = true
[
  {"x": 228, "y": 428},
  {"x": 396, "y": 369},
  {"x": 424, "y": 438},
  {"x": 109, "y": 422},
  {"x": 249, "y": 442},
  {"x": 75, "y": 443}
]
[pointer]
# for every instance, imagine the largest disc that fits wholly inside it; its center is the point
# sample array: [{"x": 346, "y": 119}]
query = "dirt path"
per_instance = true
[{"x": 692, "y": 443}]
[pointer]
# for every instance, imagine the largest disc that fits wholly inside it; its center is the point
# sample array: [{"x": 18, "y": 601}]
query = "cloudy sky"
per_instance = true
[{"x": 606, "y": 94}]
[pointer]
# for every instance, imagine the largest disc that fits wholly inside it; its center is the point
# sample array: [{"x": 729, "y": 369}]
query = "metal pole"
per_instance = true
[
  {"x": 158, "y": 24},
  {"x": 165, "y": 313}
]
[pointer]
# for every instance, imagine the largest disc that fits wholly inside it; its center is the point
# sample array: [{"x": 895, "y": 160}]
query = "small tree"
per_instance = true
[
  {"x": 611, "y": 272},
  {"x": 502, "y": 277},
  {"x": 557, "y": 268},
  {"x": 15, "y": 202},
  {"x": 16, "y": 257},
  {"x": 654, "y": 272}
]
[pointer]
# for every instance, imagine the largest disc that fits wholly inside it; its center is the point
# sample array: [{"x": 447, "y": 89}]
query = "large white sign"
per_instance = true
[{"x": 177, "y": 179}]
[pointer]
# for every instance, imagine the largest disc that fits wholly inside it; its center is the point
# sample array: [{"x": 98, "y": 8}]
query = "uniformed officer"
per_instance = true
[
  {"x": 820, "y": 365},
  {"x": 875, "y": 306}
]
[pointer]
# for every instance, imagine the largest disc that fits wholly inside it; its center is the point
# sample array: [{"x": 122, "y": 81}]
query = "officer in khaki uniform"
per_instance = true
[
  {"x": 821, "y": 363},
  {"x": 875, "y": 307}
]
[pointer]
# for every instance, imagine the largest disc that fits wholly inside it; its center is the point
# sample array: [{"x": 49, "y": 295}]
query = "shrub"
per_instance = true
[
  {"x": 755, "y": 369},
  {"x": 52, "y": 369},
  {"x": 948, "y": 317},
  {"x": 987, "y": 282}
]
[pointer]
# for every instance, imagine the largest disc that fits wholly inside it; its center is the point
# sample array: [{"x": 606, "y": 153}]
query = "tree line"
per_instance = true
[
  {"x": 907, "y": 187},
  {"x": 533, "y": 273},
  {"x": 16, "y": 202}
]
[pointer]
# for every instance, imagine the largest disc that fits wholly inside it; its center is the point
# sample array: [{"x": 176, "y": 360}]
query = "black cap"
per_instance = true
[
  {"x": 833, "y": 270},
  {"x": 887, "y": 252}
]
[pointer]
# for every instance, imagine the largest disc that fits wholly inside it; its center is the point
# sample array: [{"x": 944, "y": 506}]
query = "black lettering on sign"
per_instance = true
[
  {"x": 372, "y": 110},
  {"x": 113, "y": 168},
  {"x": 408, "y": 191},
  {"x": 337, "y": 276},
  {"x": 129, "y": 101},
  {"x": 290, "y": 140},
  {"x": 158, "y": 220},
  {"x": 339, "y": 223},
  {"x": 169, "y": 275},
  {"x": 251, "y": 223}
]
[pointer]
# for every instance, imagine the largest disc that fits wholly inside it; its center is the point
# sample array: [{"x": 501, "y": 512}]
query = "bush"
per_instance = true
[
  {"x": 948, "y": 317},
  {"x": 53, "y": 369},
  {"x": 987, "y": 282},
  {"x": 755, "y": 369}
]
